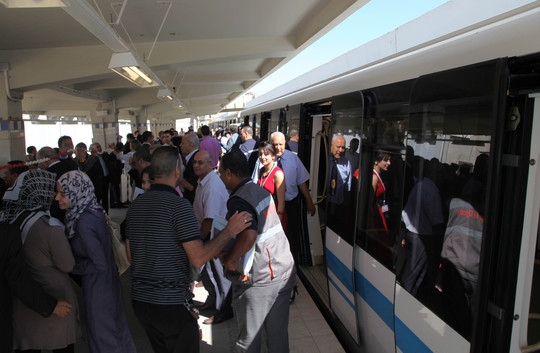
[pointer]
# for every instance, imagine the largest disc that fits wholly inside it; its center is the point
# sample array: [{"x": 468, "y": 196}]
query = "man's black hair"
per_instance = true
[
  {"x": 61, "y": 139},
  {"x": 146, "y": 135},
  {"x": 176, "y": 140},
  {"x": 205, "y": 130},
  {"x": 236, "y": 162},
  {"x": 148, "y": 170},
  {"x": 165, "y": 160},
  {"x": 142, "y": 154}
]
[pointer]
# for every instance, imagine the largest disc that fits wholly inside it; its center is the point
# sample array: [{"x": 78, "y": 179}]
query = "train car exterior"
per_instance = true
[{"x": 427, "y": 241}]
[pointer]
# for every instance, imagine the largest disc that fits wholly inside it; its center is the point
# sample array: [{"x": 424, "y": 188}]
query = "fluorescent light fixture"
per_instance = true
[
  {"x": 168, "y": 96},
  {"x": 133, "y": 69},
  {"x": 12, "y": 4},
  {"x": 165, "y": 95}
]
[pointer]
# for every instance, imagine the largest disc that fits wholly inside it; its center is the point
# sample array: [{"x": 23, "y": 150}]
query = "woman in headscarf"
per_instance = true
[
  {"x": 49, "y": 258},
  {"x": 88, "y": 234}
]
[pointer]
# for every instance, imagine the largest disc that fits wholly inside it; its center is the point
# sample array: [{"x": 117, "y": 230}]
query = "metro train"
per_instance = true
[{"x": 458, "y": 119}]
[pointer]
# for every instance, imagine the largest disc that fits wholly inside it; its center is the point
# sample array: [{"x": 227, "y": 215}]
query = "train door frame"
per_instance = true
[
  {"x": 312, "y": 238},
  {"x": 519, "y": 339},
  {"x": 265, "y": 121}
]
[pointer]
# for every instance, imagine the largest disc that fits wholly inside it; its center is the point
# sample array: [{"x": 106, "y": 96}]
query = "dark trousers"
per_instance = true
[
  {"x": 102, "y": 194},
  {"x": 415, "y": 267},
  {"x": 170, "y": 328},
  {"x": 209, "y": 286},
  {"x": 294, "y": 226}
]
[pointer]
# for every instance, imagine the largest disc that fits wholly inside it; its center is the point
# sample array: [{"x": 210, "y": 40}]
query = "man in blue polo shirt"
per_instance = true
[{"x": 296, "y": 177}]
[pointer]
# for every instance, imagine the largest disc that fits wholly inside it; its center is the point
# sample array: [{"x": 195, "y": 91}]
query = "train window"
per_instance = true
[
  {"x": 380, "y": 172},
  {"x": 344, "y": 140},
  {"x": 273, "y": 123},
  {"x": 293, "y": 127},
  {"x": 448, "y": 145}
]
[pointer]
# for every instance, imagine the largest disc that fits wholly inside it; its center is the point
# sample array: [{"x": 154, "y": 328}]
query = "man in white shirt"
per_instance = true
[{"x": 210, "y": 201}]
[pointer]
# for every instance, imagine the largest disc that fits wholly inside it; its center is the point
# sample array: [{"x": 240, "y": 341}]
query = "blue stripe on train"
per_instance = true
[
  {"x": 375, "y": 299},
  {"x": 406, "y": 340},
  {"x": 339, "y": 269},
  {"x": 341, "y": 292}
]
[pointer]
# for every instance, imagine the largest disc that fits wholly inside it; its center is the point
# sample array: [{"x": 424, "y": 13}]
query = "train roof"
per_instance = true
[{"x": 455, "y": 34}]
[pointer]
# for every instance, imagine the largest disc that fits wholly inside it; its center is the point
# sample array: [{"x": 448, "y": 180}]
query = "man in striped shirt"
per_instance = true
[{"x": 163, "y": 239}]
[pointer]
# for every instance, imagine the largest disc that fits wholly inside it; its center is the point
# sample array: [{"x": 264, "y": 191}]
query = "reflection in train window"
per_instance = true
[
  {"x": 380, "y": 173},
  {"x": 344, "y": 141},
  {"x": 448, "y": 145}
]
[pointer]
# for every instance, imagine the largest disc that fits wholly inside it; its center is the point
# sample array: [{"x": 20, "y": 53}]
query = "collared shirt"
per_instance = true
[
  {"x": 294, "y": 170},
  {"x": 247, "y": 147},
  {"x": 210, "y": 198},
  {"x": 342, "y": 179},
  {"x": 158, "y": 222},
  {"x": 103, "y": 165},
  {"x": 125, "y": 159},
  {"x": 231, "y": 141},
  {"x": 188, "y": 157},
  {"x": 293, "y": 145},
  {"x": 211, "y": 145}
]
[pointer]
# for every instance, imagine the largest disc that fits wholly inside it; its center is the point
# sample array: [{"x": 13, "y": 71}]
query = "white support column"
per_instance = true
[{"x": 12, "y": 142}]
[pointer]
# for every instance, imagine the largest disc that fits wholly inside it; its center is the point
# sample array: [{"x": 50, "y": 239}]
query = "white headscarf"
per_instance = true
[{"x": 79, "y": 191}]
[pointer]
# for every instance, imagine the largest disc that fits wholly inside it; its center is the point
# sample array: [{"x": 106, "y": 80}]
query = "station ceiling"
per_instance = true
[{"x": 208, "y": 51}]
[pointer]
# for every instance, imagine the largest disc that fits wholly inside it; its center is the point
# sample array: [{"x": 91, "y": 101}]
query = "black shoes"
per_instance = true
[{"x": 294, "y": 293}]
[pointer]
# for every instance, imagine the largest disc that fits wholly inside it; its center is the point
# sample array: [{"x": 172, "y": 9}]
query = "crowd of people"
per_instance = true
[{"x": 219, "y": 208}]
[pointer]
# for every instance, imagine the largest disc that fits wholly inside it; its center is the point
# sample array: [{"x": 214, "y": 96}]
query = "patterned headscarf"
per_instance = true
[
  {"x": 33, "y": 190},
  {"x": 79, "y": 191}
]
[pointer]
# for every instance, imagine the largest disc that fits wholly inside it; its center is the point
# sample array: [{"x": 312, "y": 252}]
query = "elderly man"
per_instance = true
[
  {"x": 189, "y": 146},
  {"x": 163, "y": 239},
  {"x": 259, "y": 263},
  {"x": 210, "y": 201},
  {"x": 339, "y": 187},
  {"x": 296, "y": 177}
]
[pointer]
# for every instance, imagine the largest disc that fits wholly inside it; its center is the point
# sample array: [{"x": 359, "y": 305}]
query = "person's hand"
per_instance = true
[
  {"x": 62, "y": 308},
  {"x": 239, "y": 221},
  {"x": 311, "y": 208}
]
